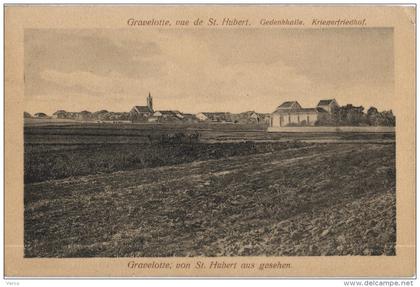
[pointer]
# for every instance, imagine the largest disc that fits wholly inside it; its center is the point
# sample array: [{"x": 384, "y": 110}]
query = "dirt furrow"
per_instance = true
[{"x": 203, "y": 208}]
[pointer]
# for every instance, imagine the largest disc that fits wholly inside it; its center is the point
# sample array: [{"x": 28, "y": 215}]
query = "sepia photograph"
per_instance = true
[
  {"x": 285, "y": 147},
  {"x": 213, "y": 141}
]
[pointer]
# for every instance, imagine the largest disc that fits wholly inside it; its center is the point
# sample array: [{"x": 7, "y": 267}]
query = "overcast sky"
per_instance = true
[{"x": 207, "y": 69}]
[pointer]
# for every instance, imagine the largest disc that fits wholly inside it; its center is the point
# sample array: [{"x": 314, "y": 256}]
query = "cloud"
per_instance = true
[
  {"x": 206, "y": 70},
  {"x": 193, "y": 88}
]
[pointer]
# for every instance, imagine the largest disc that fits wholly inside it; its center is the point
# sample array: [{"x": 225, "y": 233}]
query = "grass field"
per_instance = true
[{"x": 213, "y": 198}]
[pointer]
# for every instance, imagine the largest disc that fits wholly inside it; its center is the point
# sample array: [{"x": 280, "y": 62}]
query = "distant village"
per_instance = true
[
  {"x": 147, "y": 114},
  {"x": 290, "y": 113}
]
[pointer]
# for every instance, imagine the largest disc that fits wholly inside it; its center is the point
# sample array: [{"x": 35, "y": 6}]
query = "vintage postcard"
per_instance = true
[{"x": 210, "y": 141}]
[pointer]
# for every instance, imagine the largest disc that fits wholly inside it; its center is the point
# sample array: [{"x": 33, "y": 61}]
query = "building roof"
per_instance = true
[
  {"x": 214, "y": 113},
  {"x": 189, "y": 116},
  {"x": 321, "y": 110},
  {"x": 302, "y": 111},
  {"x": 142, "y": 109},
  {"x": 288, "y": 104},
  {"x": 217, "y": 116},
  {"x": 170, "y": 113},
  {"x": 326, "y": 102},
  {"x": 248, "y": 113},
  {"x": 317, "y": 110}
]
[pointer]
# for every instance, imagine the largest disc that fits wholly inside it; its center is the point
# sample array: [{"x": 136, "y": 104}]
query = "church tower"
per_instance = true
[{"x": 150, "y": 102}]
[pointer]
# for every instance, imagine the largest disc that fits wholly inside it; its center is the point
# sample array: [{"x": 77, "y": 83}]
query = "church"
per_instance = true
[
  {"x": 149, "y": 114},
  {"x": 142, "y": 113}
]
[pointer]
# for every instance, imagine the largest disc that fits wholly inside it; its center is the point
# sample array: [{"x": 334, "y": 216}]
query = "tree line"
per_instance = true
[{"x": 350, "y": 115}]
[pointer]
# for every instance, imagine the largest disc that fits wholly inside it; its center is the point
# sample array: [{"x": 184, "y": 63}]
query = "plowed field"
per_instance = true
[{"x": 310, "y": 199}]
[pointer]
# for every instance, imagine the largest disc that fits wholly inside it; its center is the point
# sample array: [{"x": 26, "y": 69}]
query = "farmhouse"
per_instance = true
[
  {"x": 329, "y": 105},
  {"x": 166, "y": 116},
  {"x": 291, "y": 113},
  {"x": 249, "y": 117},
  {"x": 215, "y": 117},
  {"x": 142, "y": 113}
]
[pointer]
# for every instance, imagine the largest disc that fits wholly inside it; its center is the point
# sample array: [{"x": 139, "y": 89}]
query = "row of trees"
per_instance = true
[
  {"x": 102, "y": 115},
  {"x": 350, "y": 115}
]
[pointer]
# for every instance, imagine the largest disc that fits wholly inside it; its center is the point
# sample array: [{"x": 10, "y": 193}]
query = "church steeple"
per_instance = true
[{"x": 150, "y": 102}]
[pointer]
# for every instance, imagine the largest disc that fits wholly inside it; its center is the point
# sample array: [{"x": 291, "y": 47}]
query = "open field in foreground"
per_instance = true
[
  {"x": 93, "y": 133},
  {"x": 56, "y": 151},
  {"x": 308, "y": 199}
]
